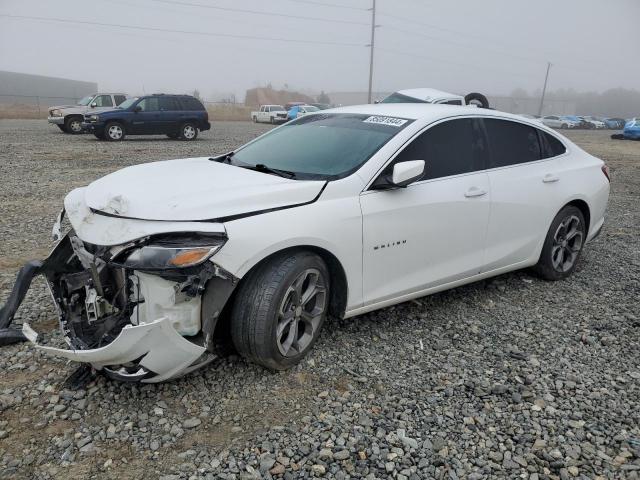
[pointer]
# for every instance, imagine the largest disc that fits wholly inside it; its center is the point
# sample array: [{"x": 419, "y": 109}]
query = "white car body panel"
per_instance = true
[
  {"x": 270, "y": 114},
  {"x": 163, "y": 348},
  {"x": 105, "y": 230},
  {"x": 430, "y": 236},
  {"x": 194, "y": 189},
  {"x": 410, "y": 241}
]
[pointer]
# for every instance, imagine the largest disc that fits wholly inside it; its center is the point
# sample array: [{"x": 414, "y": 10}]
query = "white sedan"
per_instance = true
[{"x": 336, "y": 213}]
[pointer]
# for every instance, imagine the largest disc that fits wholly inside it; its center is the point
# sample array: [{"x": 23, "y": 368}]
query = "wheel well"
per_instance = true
[
  {"x": 338, "y": 277},
  {"x": 584, "y": 208}
]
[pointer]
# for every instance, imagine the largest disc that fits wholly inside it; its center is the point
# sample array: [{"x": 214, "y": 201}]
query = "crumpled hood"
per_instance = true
[{"x": 194, "y": 189}]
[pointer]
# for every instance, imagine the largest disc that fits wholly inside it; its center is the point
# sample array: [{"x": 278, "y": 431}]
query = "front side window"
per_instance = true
[
  {"x": 323, "y": 146},
  {"x": 511, "y": 142},
  {"x": 128, "y": 103},
  {"x": 103, "y": 101},
  {"x": 449, "y": 148},
  {"x": 149, "y": 104}
]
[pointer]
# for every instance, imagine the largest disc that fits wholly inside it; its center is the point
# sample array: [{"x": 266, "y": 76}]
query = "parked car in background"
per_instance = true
[
  {"x": 632, "y": 129},
  {"x": 554, "y": 121},
  {"x": 615, "y": 123},
  {"x": 176, "y": 116},
  {"x": 269, "y": 114},
  {"x": 336, "y": 213},
  {"x": 596, "y": 122},
  {"x": 571, "y": 122},
  {"x": 300, "y": 111},
  {"x": 69, "y": 118},
  {"x": 431, "y": 95}
]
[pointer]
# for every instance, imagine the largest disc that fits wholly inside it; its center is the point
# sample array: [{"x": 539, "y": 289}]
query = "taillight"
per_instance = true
[{"x": 605, "y": 170}]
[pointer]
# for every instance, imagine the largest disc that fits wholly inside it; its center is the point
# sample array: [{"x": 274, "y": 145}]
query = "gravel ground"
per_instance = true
[{"x": 512, "y": 377}]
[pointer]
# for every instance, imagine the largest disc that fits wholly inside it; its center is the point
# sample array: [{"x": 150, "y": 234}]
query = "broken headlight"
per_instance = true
[{"x": 174, "y": 252}]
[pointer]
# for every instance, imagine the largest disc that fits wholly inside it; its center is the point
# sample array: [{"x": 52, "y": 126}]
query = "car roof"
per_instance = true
[{"x": 422, "y": 111}]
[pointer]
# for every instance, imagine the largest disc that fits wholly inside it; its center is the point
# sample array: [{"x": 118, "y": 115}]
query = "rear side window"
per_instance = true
[
  {"x": 550, "y": 145},
  {"x": 511, "y": 142},
  {"x": 168, "y": 104},
  {"x": 192, "y": 103},
  {"x": 119, "y": 99},
  {"x": 449, "y": 148}
]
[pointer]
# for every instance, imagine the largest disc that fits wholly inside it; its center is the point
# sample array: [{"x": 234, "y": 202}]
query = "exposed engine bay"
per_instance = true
[{"x": 145, "y": 311}]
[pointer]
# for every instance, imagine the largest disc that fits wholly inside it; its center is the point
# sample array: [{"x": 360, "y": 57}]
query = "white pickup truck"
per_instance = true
[{"x": 269, "y": 114}]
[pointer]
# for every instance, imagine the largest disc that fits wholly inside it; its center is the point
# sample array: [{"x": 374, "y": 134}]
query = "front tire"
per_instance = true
[
  {"x": 62, "y": 128},
  {"x": 114, "y": 132},
  {"x": 188, "y": 131},
  {"x": 255, "y": 119},
  {"x": 73, "y": 125},
  {"x": 279, "y": 310},
  {"x": 563, "y": 245}
]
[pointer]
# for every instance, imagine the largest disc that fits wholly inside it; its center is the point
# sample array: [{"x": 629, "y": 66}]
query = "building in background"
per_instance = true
[{"x": 26, "y": 89}]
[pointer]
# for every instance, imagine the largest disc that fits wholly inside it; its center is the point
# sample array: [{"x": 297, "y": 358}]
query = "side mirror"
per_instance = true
[
  {"x": 94, "y": 105},
  {"x": 405, "y": 173},
  {"x": 137, "y": 109}
]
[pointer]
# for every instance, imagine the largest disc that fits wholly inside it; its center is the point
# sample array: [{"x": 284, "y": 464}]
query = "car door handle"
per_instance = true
[
  {"x": 475, "y": 192},
  {"x": 550, "y": 178}
]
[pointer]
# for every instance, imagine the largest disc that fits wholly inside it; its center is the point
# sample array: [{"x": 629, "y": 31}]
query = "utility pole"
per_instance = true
[
  {"x": 544, "y": 89},
  {"x": 373, "y": 40}
]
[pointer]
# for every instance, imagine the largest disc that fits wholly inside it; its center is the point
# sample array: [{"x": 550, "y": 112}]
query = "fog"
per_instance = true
[{"x": 493, "y": 46}]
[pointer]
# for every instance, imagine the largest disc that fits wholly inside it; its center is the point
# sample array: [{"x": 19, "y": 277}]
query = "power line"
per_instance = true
[
  {"x": 463, "y": 45},
  {"x": 189, "y": 32},
  {"x": 335, "y": 5},
  {"x": 457, "y": 64},
  {"x": 257, "y": 12}
]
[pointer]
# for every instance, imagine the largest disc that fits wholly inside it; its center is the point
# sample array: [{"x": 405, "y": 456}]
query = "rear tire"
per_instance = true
[
  {"x": 188, "y": 131},
  {"x": 564, "y": 126},
  {"x": 73, "y": 125},
  {"x": 477, "y": 99},
  {"x": 279, "y": 310},
  {"x": 114, "y": 132},
  {"x": 563, "y": 245}
]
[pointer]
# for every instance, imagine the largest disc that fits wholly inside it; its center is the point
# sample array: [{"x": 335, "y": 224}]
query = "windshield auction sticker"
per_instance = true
[{"x": 391, "y": 121}]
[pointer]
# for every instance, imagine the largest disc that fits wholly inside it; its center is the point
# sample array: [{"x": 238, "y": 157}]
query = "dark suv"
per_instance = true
[{"x": 176, "y": 116}]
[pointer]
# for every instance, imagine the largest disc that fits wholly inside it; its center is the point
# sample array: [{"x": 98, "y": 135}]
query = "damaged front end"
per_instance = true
[{"x": 141, "y": 311}]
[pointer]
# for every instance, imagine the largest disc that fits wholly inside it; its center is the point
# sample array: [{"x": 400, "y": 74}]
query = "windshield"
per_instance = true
[
  {"x": 400, "y": 98},
  {"x": 322, "y": 146},
  {"x": 127, "y": 103},
  {"x": 310, "y": 108},
  {"x": 84, "y": 101}
]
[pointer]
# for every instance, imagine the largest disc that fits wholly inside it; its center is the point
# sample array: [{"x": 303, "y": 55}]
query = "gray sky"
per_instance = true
[{"x": 492, "y": 46}]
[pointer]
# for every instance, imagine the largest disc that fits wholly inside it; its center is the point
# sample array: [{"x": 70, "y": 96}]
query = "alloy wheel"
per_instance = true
[
  {"x": 75, "y": 126},
  {"x": 115, "y": 132},
  {"x": 567, "y": 243},
  {"x": 301, "y": 312},
  {"x": 189, "y": 132}
]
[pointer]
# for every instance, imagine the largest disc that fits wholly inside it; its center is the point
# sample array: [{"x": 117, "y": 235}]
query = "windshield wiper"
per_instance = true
[{"x": 261, "y": 167}]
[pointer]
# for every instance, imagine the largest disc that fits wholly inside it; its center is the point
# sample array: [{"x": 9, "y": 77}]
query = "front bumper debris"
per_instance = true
[
  {"x": 132, "y": 325},
  {"x": 149, "y": 353}
]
